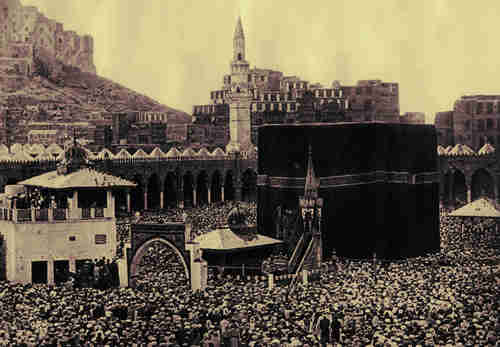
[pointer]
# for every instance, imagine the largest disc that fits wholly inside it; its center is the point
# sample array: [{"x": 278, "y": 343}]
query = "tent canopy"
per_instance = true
[{"x": 479, "y": 208}]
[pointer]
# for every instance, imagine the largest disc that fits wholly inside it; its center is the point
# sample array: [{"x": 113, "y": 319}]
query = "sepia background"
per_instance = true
[{"x": 174, "y": 51}]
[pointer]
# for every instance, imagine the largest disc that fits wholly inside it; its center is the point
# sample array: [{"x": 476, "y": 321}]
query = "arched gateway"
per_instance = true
[{"x": 144, "y": 235}]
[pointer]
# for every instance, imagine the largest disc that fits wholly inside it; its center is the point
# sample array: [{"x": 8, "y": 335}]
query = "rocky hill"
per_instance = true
[{"x": 80, "y": 93}]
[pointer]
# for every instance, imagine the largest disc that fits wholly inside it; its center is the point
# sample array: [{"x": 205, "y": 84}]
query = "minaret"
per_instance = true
[
  {"x": 311, "y": 206},
  {"x": 312, "y": 183},
  {"x": 239, "y": 96},
  {"x": 239, "y": 42}
]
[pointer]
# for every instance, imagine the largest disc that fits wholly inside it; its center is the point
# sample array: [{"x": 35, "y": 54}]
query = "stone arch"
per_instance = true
[
  {"x": 170, "y": 190},
  {"x": 137, "y": 193},
  {"x": 202, "y": 188},
  {"x": 142, "y": 249},
  {"x": 188, "y": 184},
  {"x": 153, "y": 192},
  {"x": 482, "y": 184},
  {"x": 459, "y": 188},
  {"x": 229, "y": 186},
  {"x": 216, "y": 186},
  {"x": 249, "y": 185}
]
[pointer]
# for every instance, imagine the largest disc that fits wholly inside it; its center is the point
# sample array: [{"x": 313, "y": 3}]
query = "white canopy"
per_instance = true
[{"x": 482, "y": 207}]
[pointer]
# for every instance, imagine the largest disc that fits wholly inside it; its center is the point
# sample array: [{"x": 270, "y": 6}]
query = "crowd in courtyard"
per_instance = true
[
  {"x": 446, "y": 299},
  {"x": 202, "y": 218}
]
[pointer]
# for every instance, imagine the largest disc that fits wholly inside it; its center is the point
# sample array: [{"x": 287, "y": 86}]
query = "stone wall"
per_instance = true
[{"x": 26, "y": 31}]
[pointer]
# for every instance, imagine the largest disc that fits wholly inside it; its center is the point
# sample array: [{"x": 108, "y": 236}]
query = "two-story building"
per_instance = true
[{"x": 59, "y": 220}]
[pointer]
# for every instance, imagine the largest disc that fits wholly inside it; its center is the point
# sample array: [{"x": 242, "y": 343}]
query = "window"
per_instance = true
[
  {"x": 262, "y": 78},
  {"x": 489, "y": 108},
  {"x": 491, "y": 140},
  {"x": 480, "y": 124},
  {"x": 329, "y": 93},
  {"x": 489, "y": 122},
  {"x": 468, "y": 108},
  {"x": 273, "y": 97},
  {"x": 268, "y": 107},
  {"x": 249, "y": 78},
  {"x": 266, "y": 97},
  {"x": 229, "y": 79},
  {"x": 479, "y": 108},
  {"x": 467, "y": 124},
  {"x": 239, "y": 56},
  {"x": 100, "y": 239},
  {"x": 358, "y": 91},
  {"x": 259, "y": 107},
  {"x": 276, "y": 107},
  {"x": 283, "y": 107},
  {"x": 321, "y": 93},
  {"x": 292, "y": 107},
  {"x": 368, "y": 105}
]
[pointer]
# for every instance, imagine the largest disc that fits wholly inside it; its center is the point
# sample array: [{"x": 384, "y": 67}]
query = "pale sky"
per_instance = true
[{"x": 177, "y": 51}]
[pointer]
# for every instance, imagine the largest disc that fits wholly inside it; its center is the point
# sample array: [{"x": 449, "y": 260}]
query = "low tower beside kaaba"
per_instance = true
[{"x": 379, "y": 183}]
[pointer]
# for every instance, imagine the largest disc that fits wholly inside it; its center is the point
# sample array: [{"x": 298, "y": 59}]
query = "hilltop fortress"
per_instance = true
[{"x": 28, "y": 39}]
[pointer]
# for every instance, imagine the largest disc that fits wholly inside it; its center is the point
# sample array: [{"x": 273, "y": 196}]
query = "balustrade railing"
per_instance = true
[
  {"x": 99, "y": 212},
  {"x": 23, "y": 215},
  {"x": 42, "y": 215},
  {"x": 48, "y": 214},
  {"x": 86, "y": 213},
  {"x": 60, "y": 214}
]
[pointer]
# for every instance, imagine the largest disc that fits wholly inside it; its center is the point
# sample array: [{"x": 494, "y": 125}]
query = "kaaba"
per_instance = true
[{"x": 379, "y": 183}]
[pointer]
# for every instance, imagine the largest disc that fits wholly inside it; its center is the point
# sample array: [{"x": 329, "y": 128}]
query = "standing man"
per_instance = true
[
  {"x": 324, "y": 326},
  {"x": 335, "y": 329}
]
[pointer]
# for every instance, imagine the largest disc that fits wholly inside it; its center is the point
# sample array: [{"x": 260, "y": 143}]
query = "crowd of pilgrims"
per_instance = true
[
  {"x": 202, "y": 219},
  {"x": 447, "y": 299}
]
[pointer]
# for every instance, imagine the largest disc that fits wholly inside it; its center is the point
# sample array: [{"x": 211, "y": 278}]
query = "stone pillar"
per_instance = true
[
  {"x": 209, "y": 195},
  {"x": 129, "y": 206},
  {"x": 180, "y": 193},
  {"x": 451, "y": 201},
  {"x": 123, "y": 270},
  {"x": 237, "y": 191},
  {"x": 222, "y": 193},
  {"x": 495, "y": 188},
  {"x": 194, "y": 195},
  {"x": 50, "y": 271},
  {"x": 72, "y": 264},
  {"x": 145, "y": 198},
  {"x": 74, "y": 213},
  {"x": 161, "y": 200},
  {"x": 469, "y": 194},
  {"x": 305, "y": 278}
]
